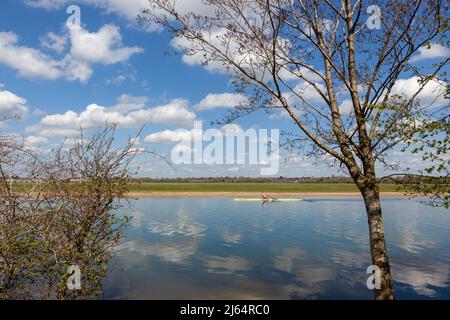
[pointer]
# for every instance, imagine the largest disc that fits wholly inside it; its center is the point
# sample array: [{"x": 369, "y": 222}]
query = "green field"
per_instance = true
[{"x": 251, "y": 187}]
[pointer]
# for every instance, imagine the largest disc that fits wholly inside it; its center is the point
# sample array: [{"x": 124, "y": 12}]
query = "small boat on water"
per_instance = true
[{"x": 268, "y": 200}]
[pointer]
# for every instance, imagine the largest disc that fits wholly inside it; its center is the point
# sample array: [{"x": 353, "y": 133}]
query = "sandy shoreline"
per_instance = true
[{"x": 221, "y": 194}]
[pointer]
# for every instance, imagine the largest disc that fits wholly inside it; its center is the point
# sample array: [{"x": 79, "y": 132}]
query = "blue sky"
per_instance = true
[{"x": 47, "y": 71}]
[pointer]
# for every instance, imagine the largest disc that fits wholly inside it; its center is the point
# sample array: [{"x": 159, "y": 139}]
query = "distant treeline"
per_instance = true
[
  {"x": 281, "y": 179},
  {"x": 406, "y": 180},
  {"x": 249, "y": 180}
]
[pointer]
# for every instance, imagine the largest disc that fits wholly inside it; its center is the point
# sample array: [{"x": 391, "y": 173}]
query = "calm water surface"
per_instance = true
[{"x": 213, "y": 248}]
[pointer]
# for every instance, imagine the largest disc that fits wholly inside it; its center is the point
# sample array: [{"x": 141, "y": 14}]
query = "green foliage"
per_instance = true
[
  {"x": 432, "y": 142},
  {"x": 48, "y": 225}
]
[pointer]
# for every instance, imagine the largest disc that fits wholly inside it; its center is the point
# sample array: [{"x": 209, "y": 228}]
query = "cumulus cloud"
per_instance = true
[
  {"x": 104, "y": 46},
  {"x": 183, "y": 135},
  {"x": 11, "y": 105},
  {"x": 223, "y": 100},
  {"x": 346, "y": 107},
  {"x": 307, "y": 92},
  {"x": 215, "y": 36},
  {"x": 29, "y": 142},
  {"x": 129, "y": 112},
  {"x": 231, "y": 128},
  {"x": 47, "y": 4},
  {"x": 128, "y": 9},
  {"x": 76, "y": 70},
  {"x": 250, "y": 58},
  {"x": 27, "y": 61},
  {"x": 127, "y": 103},
  {"x": 32, "y": 63},
  {"x": 169, "y": 136},
  {"x": 176, "y": 113},
  {"x": 434, "y": 51},
  {"x": 33, "y": 141},
  {"x": 432, "y": 94},
  {"x": 121, "y": 78},
  {"x": 303, "y": 92},
  {"x": 54, "y": 42},
  {"x": 87, "y": 48}
]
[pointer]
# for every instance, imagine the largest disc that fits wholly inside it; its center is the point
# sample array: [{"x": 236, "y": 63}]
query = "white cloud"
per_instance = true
[
  {"x": 303, "y": 92},
  {"x": 38, "y": 112},
  {"x": 252, "y": 58},
  {"x": 175, "y": 113},
  {"x": 117, "y": 80},
  {"x": 301, "y": 73},
  {"x": 346, "y": 107},
  {"x": 121, "y": 77},
  {"x": 57, "y": 132},
  {"x": 32, "y": 63},
  {"x": 54, "y": 42},
  {"x": 128, "y": 9},
  {"x": 33, "y": 141},
  {"x": 177, "y": 136},
  {"x": 30, "y": 142},
  {"x": 103, "y": 46},
  {"x": 47, "y": 4},
  {"x": 307, "y": 92},
  {"x": 435, "y": 50},
  {"x": 180, "y": 148},
  {"x": 129, "y": 112},
  {"x": 198, "y": 58},
  {"x": 27, "y": 61},
  {"x": 169, "y": 136},
  {"x": 233, "y": 128},
  {"x": 11, "y": 105},
  {"x": 223, "y": 100},
  {"x": 432, "y": 93},
  {"x": 76, "y": 70},
  {"x": 127, "y": 103}
]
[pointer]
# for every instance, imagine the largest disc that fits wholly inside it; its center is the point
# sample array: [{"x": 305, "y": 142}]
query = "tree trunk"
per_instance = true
[{"x": 378, "y": 250}]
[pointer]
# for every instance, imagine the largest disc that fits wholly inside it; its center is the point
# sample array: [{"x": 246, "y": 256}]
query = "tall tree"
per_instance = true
[{"x": 346, "y": 72}]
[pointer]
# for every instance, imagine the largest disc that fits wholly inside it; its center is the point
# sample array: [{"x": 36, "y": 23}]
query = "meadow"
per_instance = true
[{"x": 253, "y": 187}]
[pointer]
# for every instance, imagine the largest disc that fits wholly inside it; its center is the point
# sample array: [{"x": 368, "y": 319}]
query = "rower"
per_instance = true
[{"x": 266, "y": 198}]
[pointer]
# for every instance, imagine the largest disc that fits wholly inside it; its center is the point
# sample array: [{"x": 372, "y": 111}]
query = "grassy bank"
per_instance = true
[{"x": 253, "y": 187}]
